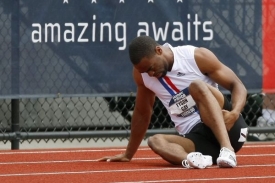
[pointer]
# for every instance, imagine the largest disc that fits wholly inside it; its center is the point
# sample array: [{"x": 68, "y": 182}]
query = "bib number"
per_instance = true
[{"x": 182, "y": 104}]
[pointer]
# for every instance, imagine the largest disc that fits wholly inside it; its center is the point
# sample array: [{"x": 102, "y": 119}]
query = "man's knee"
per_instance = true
[
  {"x": 155, "y": 142},
  {"x": 200, "y": 91},
  {"x": 198, "y": 88}
]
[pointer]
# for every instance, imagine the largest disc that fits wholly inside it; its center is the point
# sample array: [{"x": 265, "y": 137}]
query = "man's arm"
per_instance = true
[
  {"x": 209, "y": 65},
  {"x": 145, "y": 99}
]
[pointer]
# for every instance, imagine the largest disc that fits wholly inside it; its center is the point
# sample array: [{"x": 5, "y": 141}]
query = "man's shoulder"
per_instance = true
[
  {"x": 186, "y": 47},
  {"x": 186, "y": 50},
  {"x": 179, "y": 46}
]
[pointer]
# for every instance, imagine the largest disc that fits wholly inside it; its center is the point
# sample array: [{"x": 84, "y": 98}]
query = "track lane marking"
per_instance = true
[
  {"x": 95, "y": 160},
  {"x": 115, "y": 171},
  {"x": 3, "y": 152},
  {"x": 210, "y": 179}
]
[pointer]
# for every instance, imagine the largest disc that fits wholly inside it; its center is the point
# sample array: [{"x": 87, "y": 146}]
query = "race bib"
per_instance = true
[{"x": 182, "y": 104}]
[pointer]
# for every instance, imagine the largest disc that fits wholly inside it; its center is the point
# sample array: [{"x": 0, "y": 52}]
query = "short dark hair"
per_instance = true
[{"x": 140, "y": 47}]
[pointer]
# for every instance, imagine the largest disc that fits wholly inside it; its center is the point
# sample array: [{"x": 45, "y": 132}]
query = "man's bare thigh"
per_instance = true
[{"x": 187, "y": 144}]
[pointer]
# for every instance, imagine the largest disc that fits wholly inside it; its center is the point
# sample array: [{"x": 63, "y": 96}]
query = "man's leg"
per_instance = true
[
  {"x": 210, "y": 101},
  {"x": 172, "y": 148},
  {"x": 178, "y": 150}
]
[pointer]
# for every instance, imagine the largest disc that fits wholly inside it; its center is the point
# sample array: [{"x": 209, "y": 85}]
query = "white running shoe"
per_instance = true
[
  {"x": 197, "y": 160},
  {"x": 227, "y": 158}
]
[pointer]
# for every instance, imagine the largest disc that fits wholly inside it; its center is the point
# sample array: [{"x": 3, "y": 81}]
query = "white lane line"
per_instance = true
[
  {"x": 95, "y": 160},
  {"x": 259, "y": 146},
  {"x": 209, "y": 179},
  {"x": 64, "y": 161},
  {"x": 3, "y": 152},
  {"x": 65, "y": 151},
  {"x": 249, "y": 155},
  {"x": 86, "y": 172},
  {"x": 111, "y": 171}
]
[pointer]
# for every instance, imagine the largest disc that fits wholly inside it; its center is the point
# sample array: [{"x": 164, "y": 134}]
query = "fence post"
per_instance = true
[
  {"x": 15, "y": 123},
  {"x": 15, "y": 39}
]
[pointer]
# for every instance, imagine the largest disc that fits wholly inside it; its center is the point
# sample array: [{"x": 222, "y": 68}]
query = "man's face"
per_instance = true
[{"x": 155, "y": 66}]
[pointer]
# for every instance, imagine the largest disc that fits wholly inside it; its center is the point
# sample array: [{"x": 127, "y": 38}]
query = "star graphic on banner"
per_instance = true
[
  {"x": 93, "y": 1},
  {"x": 121, "y": 1},
  {"x": 152, "y": 1},
  {"x": 179, "y": 1},
  {"x": 66, "y": 1}
]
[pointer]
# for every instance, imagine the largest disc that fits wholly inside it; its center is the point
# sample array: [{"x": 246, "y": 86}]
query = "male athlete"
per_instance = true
[{"x": 186, "y": 78}]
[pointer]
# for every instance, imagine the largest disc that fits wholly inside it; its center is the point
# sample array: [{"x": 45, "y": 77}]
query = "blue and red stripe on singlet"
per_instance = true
[{"x": 170, "y": 86}]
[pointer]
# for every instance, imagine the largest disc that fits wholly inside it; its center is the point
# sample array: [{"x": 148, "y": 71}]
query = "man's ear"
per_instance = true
[{"x": 158, "y": 50}]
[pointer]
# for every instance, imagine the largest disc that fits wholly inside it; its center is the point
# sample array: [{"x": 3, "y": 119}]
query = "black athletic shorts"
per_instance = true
[{"x": 206, "y": 142}]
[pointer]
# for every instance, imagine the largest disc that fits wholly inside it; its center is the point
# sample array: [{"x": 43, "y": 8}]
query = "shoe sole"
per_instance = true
[
  {"x": 222, "y": 163},
  {"x": 197, "y": 160}
]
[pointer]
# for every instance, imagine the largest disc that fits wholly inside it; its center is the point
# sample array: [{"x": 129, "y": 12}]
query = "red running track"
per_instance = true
[{"x": 256, "y": 163}]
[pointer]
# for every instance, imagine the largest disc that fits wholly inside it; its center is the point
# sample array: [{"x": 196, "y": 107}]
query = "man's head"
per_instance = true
[
  {"x": 150, "y": 57},
  {"x": 140, "y": 47}
]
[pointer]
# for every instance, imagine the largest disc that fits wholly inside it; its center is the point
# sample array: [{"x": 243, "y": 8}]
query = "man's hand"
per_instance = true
[
  {"x": 116, "y": 158},
  {"x": 229, "y": 118}
]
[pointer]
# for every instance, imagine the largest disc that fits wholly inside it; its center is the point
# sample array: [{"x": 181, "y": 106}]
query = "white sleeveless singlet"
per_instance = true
[{"x": 172, "y": 89}]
